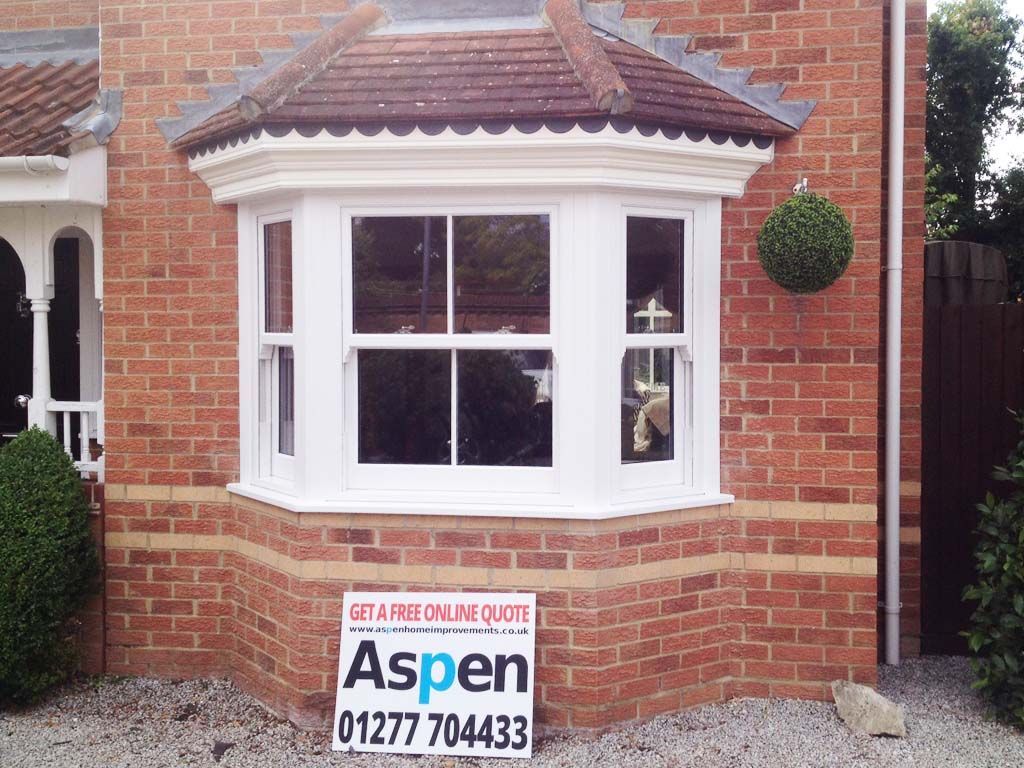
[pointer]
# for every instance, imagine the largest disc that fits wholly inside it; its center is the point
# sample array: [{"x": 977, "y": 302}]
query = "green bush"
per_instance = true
[
  {"x": 996, "y": 636},
  {"x": 48, "y": 564},
  {"x": 806, "y": 243}
]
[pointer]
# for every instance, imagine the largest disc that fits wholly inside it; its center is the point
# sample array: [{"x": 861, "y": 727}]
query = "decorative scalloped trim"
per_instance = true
[
  {"x": 492, "y": 127},
  {"x": 608, "y": 17}
]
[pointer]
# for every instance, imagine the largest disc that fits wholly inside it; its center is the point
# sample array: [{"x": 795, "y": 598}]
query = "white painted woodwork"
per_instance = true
[
  {"x": 80, "y": 179},
  {"x": 588, "y": 184}
]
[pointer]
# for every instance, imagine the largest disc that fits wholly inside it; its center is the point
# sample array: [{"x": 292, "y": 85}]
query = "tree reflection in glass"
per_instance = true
[
  {"x": 400, "y": 274},
  {"x": 404, "y": 406},
  {"x": 502, "y": 273},
  {"x": 505, "y": 403}
]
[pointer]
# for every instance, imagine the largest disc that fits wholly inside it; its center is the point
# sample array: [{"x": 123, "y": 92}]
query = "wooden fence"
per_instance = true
[{"x": 973, "y": 374}]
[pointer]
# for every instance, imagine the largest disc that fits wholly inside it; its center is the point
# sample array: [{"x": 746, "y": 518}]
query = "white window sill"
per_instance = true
[{"x": 369, "y": 506}]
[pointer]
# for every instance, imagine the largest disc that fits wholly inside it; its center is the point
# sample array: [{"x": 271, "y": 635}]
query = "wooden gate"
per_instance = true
[{"x": 973, "y": 374}]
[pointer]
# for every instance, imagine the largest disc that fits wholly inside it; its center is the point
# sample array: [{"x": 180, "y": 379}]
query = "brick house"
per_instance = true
[{"x": 420, "y": 295}]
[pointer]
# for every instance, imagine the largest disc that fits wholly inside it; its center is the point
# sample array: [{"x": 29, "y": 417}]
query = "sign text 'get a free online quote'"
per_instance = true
[{"x": 429, "y": 673}]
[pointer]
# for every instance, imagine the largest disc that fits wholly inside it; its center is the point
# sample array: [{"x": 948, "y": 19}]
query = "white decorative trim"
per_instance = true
[{"x": 265, "y": 165}]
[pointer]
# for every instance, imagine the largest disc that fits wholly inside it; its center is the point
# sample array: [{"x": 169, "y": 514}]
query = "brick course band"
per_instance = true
[{"x": 653, "y": 613}]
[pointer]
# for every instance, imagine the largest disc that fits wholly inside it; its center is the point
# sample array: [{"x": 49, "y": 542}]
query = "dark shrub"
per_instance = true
[
  {"x": 996, "y": 636},
  {"x": 48, "y": 564}
]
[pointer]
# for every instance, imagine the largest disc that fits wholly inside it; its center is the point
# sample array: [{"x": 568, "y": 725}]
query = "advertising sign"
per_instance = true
[{"x": 445, "y": 674}]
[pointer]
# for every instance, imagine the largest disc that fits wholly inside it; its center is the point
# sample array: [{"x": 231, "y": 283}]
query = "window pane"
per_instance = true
[
  {"x": 404, "y": 406},
  {"x": 505, "y": 408},
  {"x": 654, "y": 275},
  {"x": 286, "y": 401},
  {"x": 502, "y": 274},
  {"x": 400, "y": 274},
  {"x": 277, "y": 270},
  {"x": 647, "y": 405}
]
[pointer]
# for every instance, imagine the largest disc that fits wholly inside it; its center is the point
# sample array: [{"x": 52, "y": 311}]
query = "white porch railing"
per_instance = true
[{"x": 90, "y": 427}]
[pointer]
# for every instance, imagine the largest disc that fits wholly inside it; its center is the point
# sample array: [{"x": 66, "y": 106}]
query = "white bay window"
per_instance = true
[{"x": 525, "y": 334}]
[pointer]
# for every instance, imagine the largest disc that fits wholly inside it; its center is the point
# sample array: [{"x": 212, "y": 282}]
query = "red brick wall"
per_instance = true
[
  {"x": 636, "y": 617},
  {"x": 800, "y": 385},
  {"x": 48, "y": 14},
  {"x": 170, "y": 330},
  {"x": 800, "y": 374}
]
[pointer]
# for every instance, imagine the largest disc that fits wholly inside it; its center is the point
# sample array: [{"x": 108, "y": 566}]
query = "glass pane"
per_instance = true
[
  {"x": 399, "y": 284},
  {"x": 286, "y": 401},
  {"x": 277, "y": 276},
  {"x": 502, "y": 274},
  {"x": 647, "y": 405},
  {"x": 505, "y": 407},
  {"x": 405, "y": 406},
  {"x": 654, "y": 275}
]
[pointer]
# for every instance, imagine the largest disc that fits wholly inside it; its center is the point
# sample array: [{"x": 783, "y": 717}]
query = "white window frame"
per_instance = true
[
  {"x": 677, "y": 471},
  {"x": 593, "y": 179},
  {"x": 276, "y": 469},
  {"x": 451, "y": 477}
]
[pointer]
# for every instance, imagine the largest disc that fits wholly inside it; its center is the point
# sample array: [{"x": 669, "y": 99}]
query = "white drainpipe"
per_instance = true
[{"x": 893, "y": 329}]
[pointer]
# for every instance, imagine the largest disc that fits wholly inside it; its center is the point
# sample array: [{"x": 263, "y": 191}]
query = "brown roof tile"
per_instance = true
[
  {"x": 35, "y": 101},
  {"x": 507, "y": 75}
]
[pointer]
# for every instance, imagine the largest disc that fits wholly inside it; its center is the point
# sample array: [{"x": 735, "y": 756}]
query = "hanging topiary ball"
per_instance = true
[{"x": 806, "y": 243}]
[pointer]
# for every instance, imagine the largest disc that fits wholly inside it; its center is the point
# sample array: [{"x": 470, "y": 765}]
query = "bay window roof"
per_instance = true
[{"x": 566, "y": 65}]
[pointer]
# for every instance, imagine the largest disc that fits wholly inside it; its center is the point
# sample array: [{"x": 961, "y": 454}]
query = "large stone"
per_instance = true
[{"x": 866, "y": 711}]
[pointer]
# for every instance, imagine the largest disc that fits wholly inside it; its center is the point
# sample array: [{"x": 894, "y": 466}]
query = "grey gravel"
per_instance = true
[{"x": 141, "y": 723}]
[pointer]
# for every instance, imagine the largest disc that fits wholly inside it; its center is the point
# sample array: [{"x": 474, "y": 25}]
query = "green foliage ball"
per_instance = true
[
  {"x": 806, "y": 243},
  {"x": 48, "y": 564},
  {"x": 996, "y": 635}
]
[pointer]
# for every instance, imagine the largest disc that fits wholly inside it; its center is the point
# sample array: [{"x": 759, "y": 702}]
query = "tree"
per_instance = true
[
  {"x": 1004, "y": 228},
  {"x": 938, "y": 216},
  {"x": 973, "y": 60}
]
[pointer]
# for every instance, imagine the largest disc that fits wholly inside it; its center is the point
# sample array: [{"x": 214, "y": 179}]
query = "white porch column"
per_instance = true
[{"x": 37, "y": 413}]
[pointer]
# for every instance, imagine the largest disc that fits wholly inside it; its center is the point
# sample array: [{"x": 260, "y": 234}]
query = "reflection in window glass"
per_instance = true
[
  {"x": 286, "y": 401},
  {"x": 399, "y": 274},
  {"x": 502, "y": 274},
  {"x": 277, "y": 276},
  {"x": 654, "y": 275},
  {"x": 505, "y": 402},
  {"x": 647, "y": 405},
  {"x": 404, "y": 406}
]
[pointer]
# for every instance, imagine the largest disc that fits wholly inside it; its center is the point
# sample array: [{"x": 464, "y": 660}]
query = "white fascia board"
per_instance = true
[
  {"x": 267, "y": 165},
  {"x": 80, "y": 179}
]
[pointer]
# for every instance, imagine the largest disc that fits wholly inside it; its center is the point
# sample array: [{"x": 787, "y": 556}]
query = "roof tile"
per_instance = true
[
  {"x": 35, "y": 102},
  {"x": 487, "y": 75}
]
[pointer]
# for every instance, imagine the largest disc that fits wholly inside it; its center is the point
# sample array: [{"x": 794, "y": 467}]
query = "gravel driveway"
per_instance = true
[{"x": 139, "y": 723}]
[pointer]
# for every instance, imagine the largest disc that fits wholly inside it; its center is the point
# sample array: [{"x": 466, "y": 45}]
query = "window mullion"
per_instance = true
[
  {"x": 450, "y": 270},
  {"x": 455, "y": 409}
]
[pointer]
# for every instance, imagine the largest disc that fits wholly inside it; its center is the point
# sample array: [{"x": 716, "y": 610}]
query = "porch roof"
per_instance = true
[
  {"x": 51, "y": 102},
  {"x": 36, "y": 103}
]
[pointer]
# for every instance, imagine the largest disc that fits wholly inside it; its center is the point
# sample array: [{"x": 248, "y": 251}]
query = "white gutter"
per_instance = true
[
  {"x": 894, "y": 328},
  {"x": 34, "y": 165}
]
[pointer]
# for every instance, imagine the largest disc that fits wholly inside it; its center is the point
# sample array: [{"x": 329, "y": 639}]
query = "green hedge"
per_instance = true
[
  {"x": 996, "y": 636},
  {"x": 806, "y": 243},
  {"x": 48, "y": 564}
]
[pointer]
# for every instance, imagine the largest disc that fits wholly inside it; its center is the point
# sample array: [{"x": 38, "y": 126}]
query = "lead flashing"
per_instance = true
[
  {"x": 49, "y": 46},
  {"x": 99, "y": 120}
]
